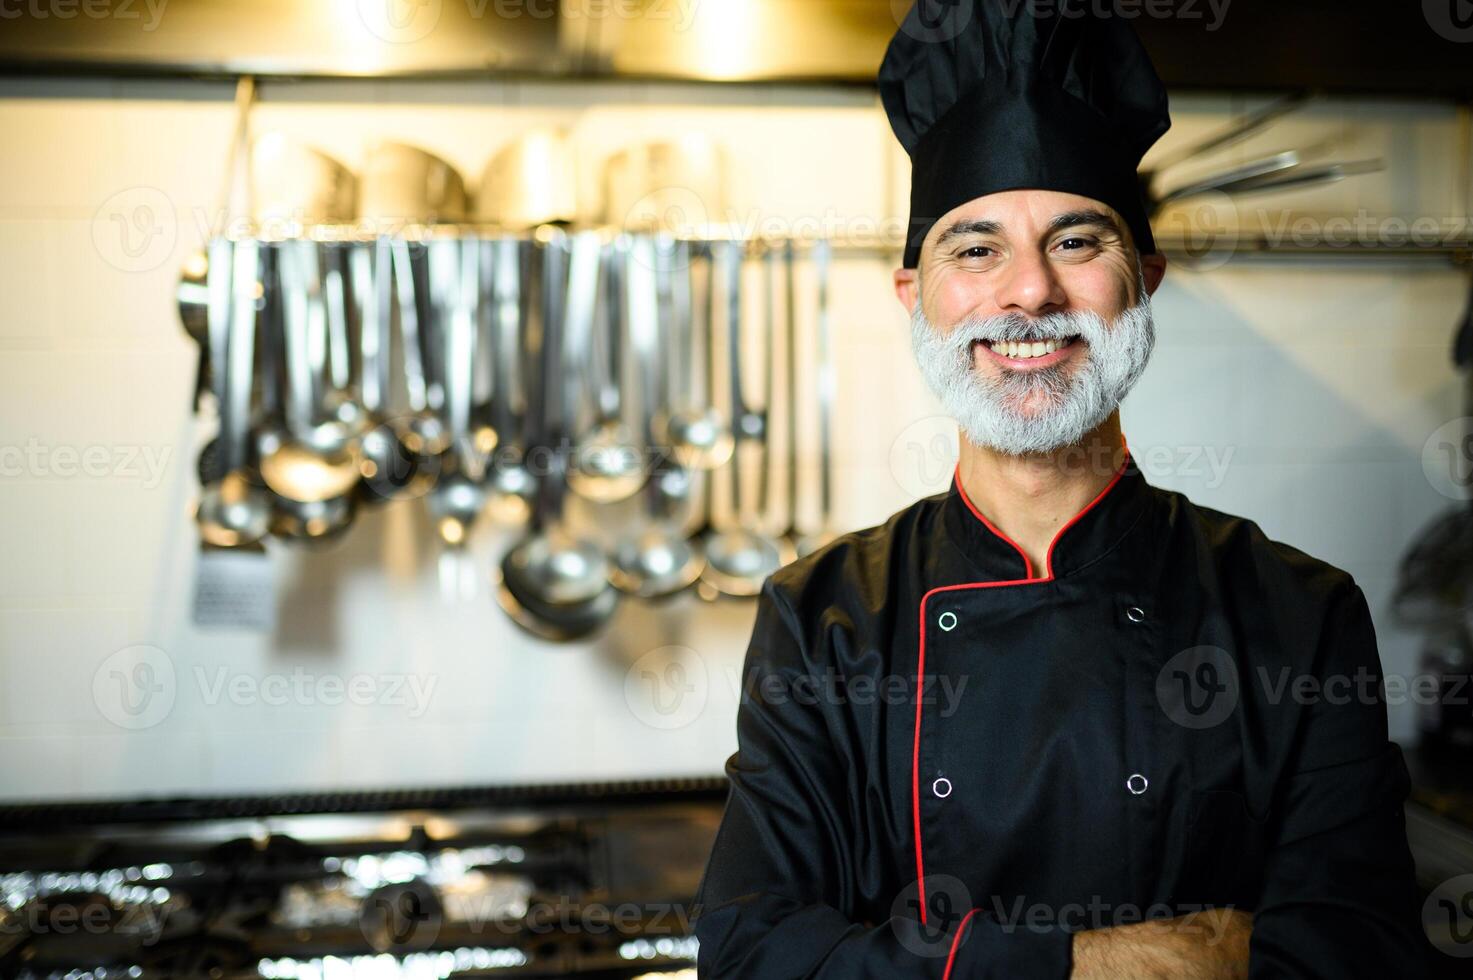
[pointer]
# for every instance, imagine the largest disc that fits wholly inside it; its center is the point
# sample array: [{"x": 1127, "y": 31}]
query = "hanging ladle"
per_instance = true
[
  {"x": 457, "y": 498},
  {"x": 484, "y": 427},
  {"x": 421, "y": 431},
  {"x": 739, "y": 558},
  {"x": 697, "y": 435},
  {"x": 608, "y": 465},
  {"x": 390, "y": 471},
  {"x": 658, "y": 560},
  {"x": 310, "y": 462},
  {"x": 509, "y": 484},
  {"x": 553, "y": 583},
  {"x": 807, "y": 544},
  {"x": 233, "y": 511}
]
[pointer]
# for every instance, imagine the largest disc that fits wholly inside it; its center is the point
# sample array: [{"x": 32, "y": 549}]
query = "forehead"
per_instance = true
[{"x": 1019, "y": 213}]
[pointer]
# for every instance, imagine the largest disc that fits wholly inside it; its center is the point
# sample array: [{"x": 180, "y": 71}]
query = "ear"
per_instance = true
[
  {"x": 906, "y": 288},
  {"x": 1153, "y": 267}
]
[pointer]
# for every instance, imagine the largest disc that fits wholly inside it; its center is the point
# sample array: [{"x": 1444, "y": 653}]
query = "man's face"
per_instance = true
[{"x": 1030, "y": 316}]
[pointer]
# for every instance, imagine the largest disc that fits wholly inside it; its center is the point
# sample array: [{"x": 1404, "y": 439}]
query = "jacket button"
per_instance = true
[
  {"x": 1135, "y": 614},
  {"x": 947, "y": 621},
  {"x": 1136, "y": 784},
  {"x": 942, "y": 788}
]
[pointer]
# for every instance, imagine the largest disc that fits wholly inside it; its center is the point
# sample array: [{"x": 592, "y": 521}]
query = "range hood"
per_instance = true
[{"x": 1223, "y": 45}]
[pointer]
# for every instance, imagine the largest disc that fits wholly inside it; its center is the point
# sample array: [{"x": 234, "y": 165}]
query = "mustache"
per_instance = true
[{"x": 1006, "y": 327}]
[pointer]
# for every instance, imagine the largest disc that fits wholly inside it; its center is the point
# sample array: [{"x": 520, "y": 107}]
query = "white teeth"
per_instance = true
[{"x": 1037, "y": 348}]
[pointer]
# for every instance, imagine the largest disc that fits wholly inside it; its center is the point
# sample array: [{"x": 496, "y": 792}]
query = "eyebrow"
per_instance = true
[
  {"x": 968, "y": 228},
  {"x": 1084, "y": 216},
  {"x": 1069, "y": 219}
]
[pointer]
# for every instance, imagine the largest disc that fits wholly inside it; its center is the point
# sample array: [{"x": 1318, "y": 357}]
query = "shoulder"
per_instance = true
[
  {"x": 858, "y": 565},
  {"x": 1236, "y": 546}
]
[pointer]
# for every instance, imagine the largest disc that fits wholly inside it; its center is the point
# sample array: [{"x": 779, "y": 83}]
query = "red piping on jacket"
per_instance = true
[
  {"x": 956, "y": 944},
  {"x": 915, "y": 761}
]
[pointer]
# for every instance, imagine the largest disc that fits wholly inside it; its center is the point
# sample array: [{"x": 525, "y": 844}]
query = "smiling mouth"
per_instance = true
[{"x": 1022, "y": 350}]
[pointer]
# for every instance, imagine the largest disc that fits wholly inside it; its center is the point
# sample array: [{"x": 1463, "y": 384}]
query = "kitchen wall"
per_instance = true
[{"x": 1301, "y": 394}]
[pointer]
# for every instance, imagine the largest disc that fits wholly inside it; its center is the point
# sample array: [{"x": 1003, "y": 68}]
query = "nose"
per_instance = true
[{"x": 1029, "y": 286}]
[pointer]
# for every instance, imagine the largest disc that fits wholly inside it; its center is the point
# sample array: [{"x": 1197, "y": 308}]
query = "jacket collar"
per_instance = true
[{"x": 1088, "y": 536}]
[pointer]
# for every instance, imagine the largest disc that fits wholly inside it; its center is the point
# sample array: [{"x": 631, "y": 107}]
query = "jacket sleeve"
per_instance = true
[
  {"x": 780, "y": 894},
  {"x": 1340, "y": 897}
]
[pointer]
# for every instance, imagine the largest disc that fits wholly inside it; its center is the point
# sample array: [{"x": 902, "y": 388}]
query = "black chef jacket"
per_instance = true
[{"x": 1176, "y": 712}]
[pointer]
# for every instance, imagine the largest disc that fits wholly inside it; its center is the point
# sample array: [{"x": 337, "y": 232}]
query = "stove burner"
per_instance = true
[{"x": 421, "y": 893}]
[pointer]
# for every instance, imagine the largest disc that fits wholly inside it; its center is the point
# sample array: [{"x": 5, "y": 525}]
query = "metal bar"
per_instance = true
[{"x": 1458, "y": 250}]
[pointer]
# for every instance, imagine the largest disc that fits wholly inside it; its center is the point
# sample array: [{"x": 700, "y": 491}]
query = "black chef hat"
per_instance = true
[{"x": 996, "y": 95}]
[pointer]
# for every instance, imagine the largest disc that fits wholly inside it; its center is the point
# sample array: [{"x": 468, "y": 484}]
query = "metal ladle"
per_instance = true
[
  {"x": 738, "y": 558},
  {"x": 390, "y": 470},
  {"x": 192, "y": 295},
  {"x": 457, "y": 498},
  {"x": 510, "y": 487},
  {"x": 233, "y": 511},
  {"x": 310, "y": 464},
  {"x": 344, "y": 420},
  {"x": 807, "y": 544},
  {"x": 608, "y": 465},
  {"x": 553, "y": 583},
  {"x": 484, "y": 425},
  {"x": 697, "y": 435},
  {"x": 658, "y": 560},
  {"x": 421, "y": 431}
]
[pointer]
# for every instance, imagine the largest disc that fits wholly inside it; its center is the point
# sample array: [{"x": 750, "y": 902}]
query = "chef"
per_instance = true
[{"x": 1055, "y": 721}]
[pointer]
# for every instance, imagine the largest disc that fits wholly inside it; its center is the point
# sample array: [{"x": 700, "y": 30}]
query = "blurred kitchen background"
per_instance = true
[{"x": 286, "y": 740}]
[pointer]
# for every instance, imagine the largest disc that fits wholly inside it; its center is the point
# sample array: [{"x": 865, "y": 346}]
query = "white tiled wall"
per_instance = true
[{"x": 1318, "y": 383}]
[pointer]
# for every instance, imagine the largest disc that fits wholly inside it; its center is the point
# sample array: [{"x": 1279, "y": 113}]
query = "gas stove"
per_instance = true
[{"x": 586, "y": 880}]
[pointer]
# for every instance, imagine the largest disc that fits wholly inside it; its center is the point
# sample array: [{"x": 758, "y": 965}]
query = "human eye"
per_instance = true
[{"x": 1078, "y": 243}]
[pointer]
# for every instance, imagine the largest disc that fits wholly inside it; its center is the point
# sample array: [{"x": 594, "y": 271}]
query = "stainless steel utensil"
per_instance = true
[
  {"x": 608, "y": 463},
  {"x": 406, "y": 185},
  {"x": 192, "y": 295},
  {"x": 739, "y": 557},
  {"x": 294, "y": 186},
  {"x": 532, "y": 181},
  {"x": 694, "y": 430},
  {"x": 233, "y": 511},
  {"x": 1235, "y": 132},
  {"x": 485, "y": 427},
  {"x": 827, "y": 382},
  {"x": 457, "y": 498},
  {"x": 421, "y": 430},
  {"x": 657, "y": 560},
  {"x": 554, "y": 584},
  {"x": 510, "y": 487},
  {"x": 390, "y": 470},
  {"x": 309, "y": 462}
]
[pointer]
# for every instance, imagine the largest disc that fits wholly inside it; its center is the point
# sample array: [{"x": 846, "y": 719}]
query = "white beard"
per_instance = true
[{"x": 1041, "y": 411}]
